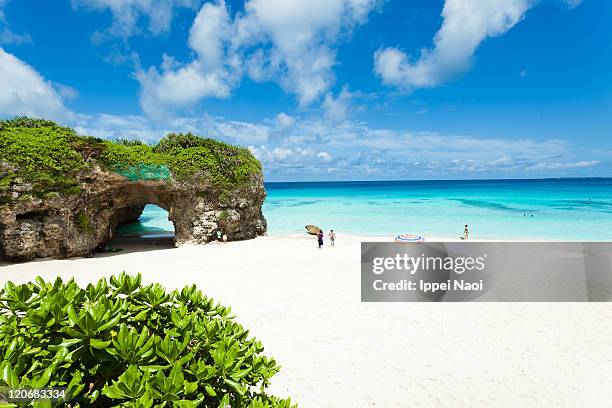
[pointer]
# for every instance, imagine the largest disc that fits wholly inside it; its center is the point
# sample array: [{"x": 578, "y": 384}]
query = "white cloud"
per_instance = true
[
  {"x": 66, "y": 92},
  {"x": 336, "y": 108},
  {"x": 565, "y": 165},
  {"x": 285, "y": 156},
  {"x": 117, "y": 58},
  {"x": 210, "y": 31},
  {"x": 242, "y": 132},
  {"x": 284, "y": 120},
  {"x": 466, "y": 23},
  {"x": 271, "y": 155},
  {"x": 289, "y": 42},
  {"x": 324, "y": 157},
  {"x": 180, "y": 86},
  {"x": 128, "y": 13},
  {"x": 171, "y": 89},
  {"x": 23, "y": 91},
  {"x": 359, "y": 150},
  {"x": 7, "y": 36},
  {"x": 573, "y": 3},
  {"x": 302, "y": 34}
]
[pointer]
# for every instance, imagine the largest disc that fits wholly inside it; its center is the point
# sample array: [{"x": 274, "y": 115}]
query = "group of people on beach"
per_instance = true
[{"x": 331, "y": 235}]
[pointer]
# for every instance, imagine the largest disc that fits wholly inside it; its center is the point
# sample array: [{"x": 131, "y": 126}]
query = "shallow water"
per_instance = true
[
  {"x": 153, "y": 223},
  {"x": 566, "y": 209}
]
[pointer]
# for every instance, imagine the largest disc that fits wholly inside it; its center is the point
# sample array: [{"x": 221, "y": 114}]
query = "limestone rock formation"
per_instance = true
[{"x": 63, "y": 195}]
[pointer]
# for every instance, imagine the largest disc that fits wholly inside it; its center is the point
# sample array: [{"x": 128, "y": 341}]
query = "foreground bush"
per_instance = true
[{"x": 122, "y": 344}]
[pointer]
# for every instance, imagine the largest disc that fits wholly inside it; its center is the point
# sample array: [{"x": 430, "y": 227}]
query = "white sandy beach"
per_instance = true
[{"x": 304, "y": 304}]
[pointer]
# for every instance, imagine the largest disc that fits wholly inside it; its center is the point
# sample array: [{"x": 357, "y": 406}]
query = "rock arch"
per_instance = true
[{"x": 75, "y": 226}]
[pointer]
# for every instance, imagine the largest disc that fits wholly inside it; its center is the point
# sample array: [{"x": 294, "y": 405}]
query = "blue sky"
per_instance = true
[{"x": 329, "y": 89}]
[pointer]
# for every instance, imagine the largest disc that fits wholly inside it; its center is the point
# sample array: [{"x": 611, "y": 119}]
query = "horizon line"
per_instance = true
[{"x": 412, "y": 180}]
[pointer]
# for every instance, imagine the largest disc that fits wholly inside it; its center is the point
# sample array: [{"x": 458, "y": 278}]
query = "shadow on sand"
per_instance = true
[
  {"x": 119, "y": 246},
  {"x": 126, "y": 245}
]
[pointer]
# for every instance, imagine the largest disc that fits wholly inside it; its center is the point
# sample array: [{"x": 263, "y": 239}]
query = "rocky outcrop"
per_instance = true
[
  {"x": 67, "y": 225},
  {"x": 76, "y": 225}
]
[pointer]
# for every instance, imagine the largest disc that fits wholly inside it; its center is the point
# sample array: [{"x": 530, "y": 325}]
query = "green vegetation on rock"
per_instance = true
[
  {"x": 83, "y": 223},
  {"x": 120, "y": 343},
  {"x": 53, "y": 158},
  {"x": 41, "y": 153},
  {"x": 182, "y": 156},
  {"x": 135, "y": 161}
]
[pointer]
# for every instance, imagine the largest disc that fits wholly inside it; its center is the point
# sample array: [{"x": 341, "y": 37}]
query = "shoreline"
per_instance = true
[
  {"x": 437, "y": 238},
  {"x": 304, "y": 305},
  {"x": 362, "y": 237}
]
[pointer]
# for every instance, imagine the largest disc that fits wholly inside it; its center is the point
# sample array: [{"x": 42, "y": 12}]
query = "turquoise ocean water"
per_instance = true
[
  {"x": 153, "y": 223},
  {"x": 562, "y": 209}
]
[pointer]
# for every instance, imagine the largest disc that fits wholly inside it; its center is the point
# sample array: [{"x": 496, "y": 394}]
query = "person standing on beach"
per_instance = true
[
  {"x": 320, "y": 238},
  {"x": 332, "y": 237},
  {"x": 466, "y": 233},
  {"x": 219, "y": 235}
]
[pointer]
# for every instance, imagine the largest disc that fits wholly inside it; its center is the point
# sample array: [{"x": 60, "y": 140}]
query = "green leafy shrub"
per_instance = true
[
  {"x": 174, "y": 141},
  {"x": 42, "y": 152},
  {"x": 26, "y": 122},
  {"x": 182, "y": 156},
  {"x": 129, "y": 142},
  {"x": 124, "y": 344}
]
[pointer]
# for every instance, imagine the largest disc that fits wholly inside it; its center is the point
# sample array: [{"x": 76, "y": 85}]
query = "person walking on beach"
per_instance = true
[
  {"x": 219, "y": 235},
  {"x": 466, "y": 233},
  {"x": 320, "y": 238},
  {"x": 332, "y": 237}
]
